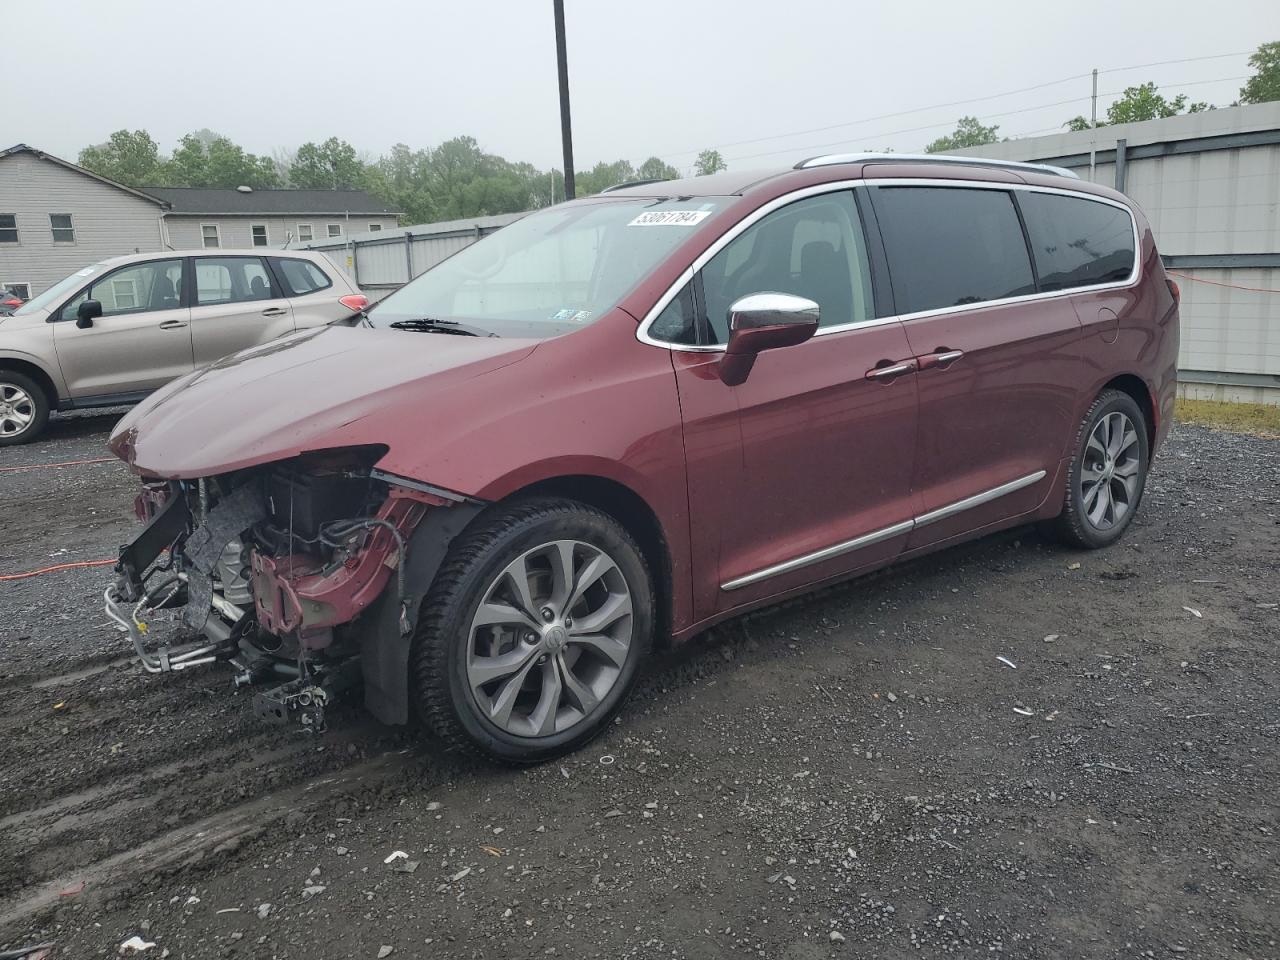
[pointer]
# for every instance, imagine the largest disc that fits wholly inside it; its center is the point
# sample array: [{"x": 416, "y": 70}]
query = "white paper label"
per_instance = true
[{"x": 670, "y": 218}]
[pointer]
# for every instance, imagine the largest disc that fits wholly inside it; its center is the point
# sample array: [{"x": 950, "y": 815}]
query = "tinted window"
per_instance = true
[
  {"x": 811, "y": 248},
  {"x": 1077, "y": 242},
  {"x": 302, "y": 276},
  {"x": 950, "y": 246},
  {"x": 154, "y": 285},
  {"x": 677, "y": 323},
  {"x": 231, "y": 280}
]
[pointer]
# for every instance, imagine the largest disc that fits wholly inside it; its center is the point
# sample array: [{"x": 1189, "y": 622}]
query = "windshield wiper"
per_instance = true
[{"x": 431, "y": 325}]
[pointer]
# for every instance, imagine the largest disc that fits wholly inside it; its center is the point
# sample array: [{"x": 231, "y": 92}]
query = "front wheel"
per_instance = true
[
  {"x": 24, "y": 408},
  {"x": 532, "y": 634},
  {"x": 1108, "y": 473}
]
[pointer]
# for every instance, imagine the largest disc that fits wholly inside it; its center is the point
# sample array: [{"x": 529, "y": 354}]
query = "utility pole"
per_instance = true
[
  {"x": 1093, "y": 126},
  {"x": 566, "y": 133},
  {"x": 1094, "y": 115}
]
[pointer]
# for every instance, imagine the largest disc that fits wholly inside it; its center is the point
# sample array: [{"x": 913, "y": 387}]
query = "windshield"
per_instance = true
[
  {"x": 550, "y": 271},
  {"x": 59, "y": 289}
]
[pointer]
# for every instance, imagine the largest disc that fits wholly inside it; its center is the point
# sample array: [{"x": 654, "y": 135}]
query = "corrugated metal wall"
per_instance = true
[
  {"x": 381, "y": 262},
  {"x": 1210, "y": 185}
]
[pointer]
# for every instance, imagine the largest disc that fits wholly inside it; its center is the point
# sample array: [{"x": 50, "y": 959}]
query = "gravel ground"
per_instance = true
[{"x": 852, "y": 775}]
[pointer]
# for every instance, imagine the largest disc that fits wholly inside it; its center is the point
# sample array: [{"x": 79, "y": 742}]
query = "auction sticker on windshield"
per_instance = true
[{"x": 670, "y": 218}]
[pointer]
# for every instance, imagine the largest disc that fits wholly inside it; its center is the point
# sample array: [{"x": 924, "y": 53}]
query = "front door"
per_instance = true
[
  {"x": 803, "y": 471},
  {"x": 998, "y": 383},
  {"x": 141, "y": 341},
  {"x": 237, "y": 304}
]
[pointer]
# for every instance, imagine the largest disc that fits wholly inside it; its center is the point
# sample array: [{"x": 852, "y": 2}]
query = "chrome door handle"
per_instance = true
[
  {"x": 173, "y": 325},
  {"x": 273, "y": 312},
  {"x": 940, "y": 358},
  {"x": 893, "y": 371}
]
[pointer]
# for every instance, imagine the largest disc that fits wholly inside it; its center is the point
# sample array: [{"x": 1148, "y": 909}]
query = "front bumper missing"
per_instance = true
[{"x": 161, "y": 658}]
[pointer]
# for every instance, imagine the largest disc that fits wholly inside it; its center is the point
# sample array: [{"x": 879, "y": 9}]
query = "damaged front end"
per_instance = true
[{"x": 304, "y": 573}]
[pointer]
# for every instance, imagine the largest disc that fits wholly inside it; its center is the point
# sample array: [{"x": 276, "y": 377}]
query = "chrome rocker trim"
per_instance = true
[{"x": 877, "y": 536}]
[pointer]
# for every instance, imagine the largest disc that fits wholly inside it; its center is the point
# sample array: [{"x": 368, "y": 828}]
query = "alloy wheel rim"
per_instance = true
[
  {"x": 17, "y": 410},
  {"x": 549, "y": 638},
  {"x": 1109, "y": 476}
]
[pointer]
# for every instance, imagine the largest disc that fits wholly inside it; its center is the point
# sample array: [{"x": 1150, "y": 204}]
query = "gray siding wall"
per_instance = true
[
  {"x": 108, "y": 222},
  {"x": 1224, "y": 201},
  {"x": 236, "y": 232}
]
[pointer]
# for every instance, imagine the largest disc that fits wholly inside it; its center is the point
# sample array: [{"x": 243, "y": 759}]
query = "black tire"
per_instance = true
[
  {"x": 1074, "y": 525},
  {"x": 440, "y": 688},
  {"x": 35, "y": 404}
]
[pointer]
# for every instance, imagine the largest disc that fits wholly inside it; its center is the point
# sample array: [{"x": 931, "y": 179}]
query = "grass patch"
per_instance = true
[{"x": 1260, "y": 418}]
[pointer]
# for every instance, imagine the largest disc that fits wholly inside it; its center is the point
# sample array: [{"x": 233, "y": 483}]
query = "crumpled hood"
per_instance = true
[{"x": 314, "y": 390}]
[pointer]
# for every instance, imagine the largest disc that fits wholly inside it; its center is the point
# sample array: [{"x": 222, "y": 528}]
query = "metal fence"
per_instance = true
[
  {"x": 1210, "y": 185},
  {"x": 382, "y": 261}
]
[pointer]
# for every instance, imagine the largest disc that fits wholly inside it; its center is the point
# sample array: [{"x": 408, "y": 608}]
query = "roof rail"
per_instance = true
[
  {"x": 834, "y": 158},
  {"x": 634, "y": 183}
]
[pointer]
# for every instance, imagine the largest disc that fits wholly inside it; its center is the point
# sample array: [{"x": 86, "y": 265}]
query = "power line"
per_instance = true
[
  {"x": 947, "y": 123},
  {"x": 953, "y": 103}
]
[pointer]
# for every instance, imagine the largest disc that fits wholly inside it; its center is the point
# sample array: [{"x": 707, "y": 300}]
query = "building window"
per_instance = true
[
  {"x": 259, "y": 232},
  {"x": 20, "y": 290},
  {"x": 8, "y": 228},
  {"x": 63, "y": 231},
  {"x": 335, "y": 229},
  {"x": 124, "y": 292},
  {"x": 375, "y": 227},
  {"x": 304, "y": 233},
  {"x": 209, "y": 234}
]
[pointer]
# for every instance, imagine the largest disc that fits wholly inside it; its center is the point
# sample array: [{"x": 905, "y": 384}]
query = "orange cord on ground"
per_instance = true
[
  {"x": 65, "y": 463},
  {"x": 55, "y": 567}
]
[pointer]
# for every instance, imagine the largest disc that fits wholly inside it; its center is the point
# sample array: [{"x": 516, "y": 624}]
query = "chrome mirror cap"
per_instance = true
[{"x": 759, "y": 310}]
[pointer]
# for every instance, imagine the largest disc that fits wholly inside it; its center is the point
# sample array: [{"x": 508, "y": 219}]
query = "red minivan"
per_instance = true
[{"x": 628, "y": 417}]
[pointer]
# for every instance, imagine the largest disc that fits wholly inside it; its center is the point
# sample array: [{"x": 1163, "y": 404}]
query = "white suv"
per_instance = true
[{"x": 115, "y": 331}]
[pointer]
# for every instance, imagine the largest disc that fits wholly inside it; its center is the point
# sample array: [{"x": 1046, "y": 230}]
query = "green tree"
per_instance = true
[
  {"x": 1264, "y": 85},
  {"x": 709, "y": 162},
  {"x": 218, "y": 163},
  {"x": 131, "y": 158},
  {"x": 1143, "y": 102},
  {"x": 655, "y": 169},
  {"x": 332, "y": 165},
  {"x": 968, "y": 133},
  {"x": 604, "y": 175}
]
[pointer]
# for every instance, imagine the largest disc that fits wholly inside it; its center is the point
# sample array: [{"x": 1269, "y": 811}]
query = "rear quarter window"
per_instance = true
[
  {"x": 301, "y": 277},
  {"x": 951, "y": 246},
  {"x": 1078, "y": 242}
]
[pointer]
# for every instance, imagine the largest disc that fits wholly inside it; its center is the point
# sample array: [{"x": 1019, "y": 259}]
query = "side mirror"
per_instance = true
[
  {"x": 764, "y": 321},
  {"x": 88, "y": 311}
]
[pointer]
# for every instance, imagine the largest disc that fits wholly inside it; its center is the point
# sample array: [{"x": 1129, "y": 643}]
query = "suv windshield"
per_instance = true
[
  {"x": 550, "y": 271},
  {"x": 63, "y": 286}
]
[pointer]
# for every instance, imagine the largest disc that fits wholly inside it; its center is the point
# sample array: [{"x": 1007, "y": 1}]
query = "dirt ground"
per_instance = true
[{"x": 853, "y": 775}]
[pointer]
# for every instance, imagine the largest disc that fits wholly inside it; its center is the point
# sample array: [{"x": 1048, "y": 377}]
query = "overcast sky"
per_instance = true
[{"x": 665, "y": 77}]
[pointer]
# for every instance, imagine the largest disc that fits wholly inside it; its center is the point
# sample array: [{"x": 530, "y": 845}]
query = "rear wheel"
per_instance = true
[
  {"x": 532, "y": 633},
  {"x": 1108, "y": 473},
  {"x": 24, "y": 408}
]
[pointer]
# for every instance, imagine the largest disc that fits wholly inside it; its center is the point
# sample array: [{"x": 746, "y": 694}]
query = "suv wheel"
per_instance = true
[
  {"x": 1108, "y": 473},
  {"x": 532, "y": 633},
  {"x": 24, "y": 408}
]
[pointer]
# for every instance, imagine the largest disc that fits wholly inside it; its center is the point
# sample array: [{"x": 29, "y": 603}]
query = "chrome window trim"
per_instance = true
[
  {"x": 877, "y": 536},
  {"x": 642, "y": 331}
]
